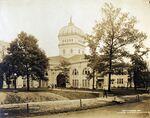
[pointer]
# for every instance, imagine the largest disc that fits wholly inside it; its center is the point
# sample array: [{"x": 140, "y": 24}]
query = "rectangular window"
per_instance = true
[
  {"x": 88, "y": 83},
  {"x": 112, "y": 81},
  {"x": 83, "y": 83},
  {"x": 73, "y": 83},
  {"x": 77, "y": 83},
  {"x": 120, "y": 81}
]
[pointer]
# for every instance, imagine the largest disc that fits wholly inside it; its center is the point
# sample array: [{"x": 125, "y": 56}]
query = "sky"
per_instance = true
[{"x": 44, "y": 18}]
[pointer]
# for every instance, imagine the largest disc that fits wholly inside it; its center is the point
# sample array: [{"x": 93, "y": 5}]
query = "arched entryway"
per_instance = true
[{"x": 61, "y": 80}]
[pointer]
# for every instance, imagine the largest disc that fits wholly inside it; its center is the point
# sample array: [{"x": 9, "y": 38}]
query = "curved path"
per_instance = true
[{"x": 131, "y": 110}]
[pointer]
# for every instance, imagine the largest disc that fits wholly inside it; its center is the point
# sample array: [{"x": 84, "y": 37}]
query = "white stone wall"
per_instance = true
[
  {"x": 117, "y": 82},
  {"x": 80, "y": 80},
  {"x": 53, "y": 77},
  {"x": 80, "y": 77}
]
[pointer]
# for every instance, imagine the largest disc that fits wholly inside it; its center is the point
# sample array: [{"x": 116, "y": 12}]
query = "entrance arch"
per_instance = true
[{"x": 61, "y": 80}]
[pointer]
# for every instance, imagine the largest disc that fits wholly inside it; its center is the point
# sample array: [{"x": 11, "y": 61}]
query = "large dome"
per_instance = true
[{"x": 70, "y": 29}]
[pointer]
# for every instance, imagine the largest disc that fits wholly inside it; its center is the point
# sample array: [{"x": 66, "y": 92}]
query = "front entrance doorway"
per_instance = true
[{"x": 61, "y": 80}]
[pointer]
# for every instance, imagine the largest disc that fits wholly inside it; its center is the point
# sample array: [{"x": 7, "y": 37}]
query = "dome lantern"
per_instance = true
[{"x": 70, "y": 23}]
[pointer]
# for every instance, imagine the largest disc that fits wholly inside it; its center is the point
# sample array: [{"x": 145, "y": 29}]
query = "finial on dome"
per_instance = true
[{"x": 70, "y": 23}]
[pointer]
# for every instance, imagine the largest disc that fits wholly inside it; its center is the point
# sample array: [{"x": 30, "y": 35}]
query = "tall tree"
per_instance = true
[
  {"x": 93, "y": 57},
  {"x": 115, "y": 31},
  {"x": 27, "y": 59},
  {"x": 139, "y": 67}
]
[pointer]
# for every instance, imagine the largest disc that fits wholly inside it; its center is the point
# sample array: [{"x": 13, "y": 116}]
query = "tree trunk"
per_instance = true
[
  {"x": 127, "y": 84},
  {"x": 8, "y": 86},
  {"x": 110, "y": 69},
  {"x": 135, "y": 83},
  {"x": 131, "y": 83},
  {"x": 39, "y": 83},
  {"x": 135, "y": 86},
  {"x": 93, "y": 80},
  {"x": 110, "y": 64},
  {"x": 109, "y": 82},
  {"x": 1, "y": 82},
  {"x": 8, "y": 82},
  {"x": 15, "y": 86},
  {"x": 28, "y": 82}
]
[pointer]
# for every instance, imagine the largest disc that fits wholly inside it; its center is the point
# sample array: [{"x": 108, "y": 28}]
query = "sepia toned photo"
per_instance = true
[{"x": 74, "y": 58}]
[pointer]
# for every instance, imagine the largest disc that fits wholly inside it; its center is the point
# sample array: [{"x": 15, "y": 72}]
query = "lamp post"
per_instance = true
[
  {"x": 14, "y": 82},
  {"x": 28, "y": 79}
]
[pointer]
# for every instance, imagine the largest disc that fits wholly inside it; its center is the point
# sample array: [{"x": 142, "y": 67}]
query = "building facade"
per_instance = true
[{"x": 72, "y": 49}]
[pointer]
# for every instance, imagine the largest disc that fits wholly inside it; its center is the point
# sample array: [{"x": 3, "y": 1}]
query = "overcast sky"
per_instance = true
[{"x": 44, "y": 18}]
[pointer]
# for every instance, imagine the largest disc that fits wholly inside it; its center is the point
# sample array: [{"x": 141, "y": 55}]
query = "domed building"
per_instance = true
[
  {"x": 71, "y": 50},
  {"x": 71, "y": 60},
  {"x": 70, "y": 63},
  {"x": 71, "y": 40}
]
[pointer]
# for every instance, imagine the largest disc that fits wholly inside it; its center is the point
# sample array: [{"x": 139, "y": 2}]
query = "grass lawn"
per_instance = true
[
  {"x": 75, "y": 95},
  {"x": 125, "y": 91},
  {"x": 23, "y": 97},
  {"x": 37, "y": 95},
  {"x": 10, "y": 96}
]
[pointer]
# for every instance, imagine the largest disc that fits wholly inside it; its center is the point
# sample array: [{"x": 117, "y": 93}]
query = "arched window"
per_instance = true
[
  {"x": 86, "y": 71},
  {"x": 75, "y": 72}
]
